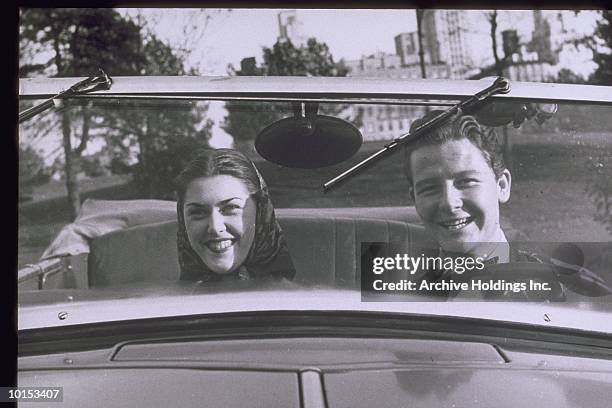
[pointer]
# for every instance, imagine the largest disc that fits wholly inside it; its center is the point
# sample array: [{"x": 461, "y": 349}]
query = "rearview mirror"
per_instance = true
[{"x": 308, "y": 140}]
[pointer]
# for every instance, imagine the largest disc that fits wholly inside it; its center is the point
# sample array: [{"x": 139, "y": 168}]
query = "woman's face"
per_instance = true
[{"x": 220, "y": 221}]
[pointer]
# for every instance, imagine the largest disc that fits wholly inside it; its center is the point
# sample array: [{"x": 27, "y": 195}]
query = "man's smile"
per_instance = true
[{"x": 455, "y": 224}]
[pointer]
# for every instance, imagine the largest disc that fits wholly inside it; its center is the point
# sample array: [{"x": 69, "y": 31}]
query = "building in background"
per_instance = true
[
  {"x": 291, "y": 28},
  {"x": 456, "y": 45},
  {"x": 527, "y": 59}
]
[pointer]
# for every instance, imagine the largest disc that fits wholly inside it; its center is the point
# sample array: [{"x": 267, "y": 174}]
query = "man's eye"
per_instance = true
[
  {"x": 426, "y": 190},
  {"x": 467, "y": 182}
]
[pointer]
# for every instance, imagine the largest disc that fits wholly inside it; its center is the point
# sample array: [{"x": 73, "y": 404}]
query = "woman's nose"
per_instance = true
[
  {"x": 451, "y": 198},
  {"x": 216, "y": 223}
]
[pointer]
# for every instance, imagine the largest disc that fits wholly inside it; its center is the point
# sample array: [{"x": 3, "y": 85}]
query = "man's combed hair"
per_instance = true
[{"x": 457, "y": 127}]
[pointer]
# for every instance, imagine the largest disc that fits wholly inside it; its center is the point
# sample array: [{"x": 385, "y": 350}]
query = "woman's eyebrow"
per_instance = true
[
  {"x": 222, "y": 202},
  {"x": 230, "y": 199},
  {"x": 195, "y": 204}
]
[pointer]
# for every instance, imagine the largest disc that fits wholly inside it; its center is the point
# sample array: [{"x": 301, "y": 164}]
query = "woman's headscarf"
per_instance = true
[{"x": 268, "y": 256}]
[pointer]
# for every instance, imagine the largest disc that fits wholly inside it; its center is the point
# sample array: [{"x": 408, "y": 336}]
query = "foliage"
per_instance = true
[
  {"x": 92, "y": 167},
  {"x": 602, "y": 53},
  {"x": 75, "y": 42},
  {"x": 32, "y": 168},
  {"x": 567, "y": 76},
  {"x": 166, "y": 163},
  {"x": 163, "y": 133},
  {"x": 79, "y": 41},
  {"x": 600, "y": 188},
  {"x": 314, "y": 59},
  {"x": 245, "y": 120},
  {"x": 600, "y": 191}
]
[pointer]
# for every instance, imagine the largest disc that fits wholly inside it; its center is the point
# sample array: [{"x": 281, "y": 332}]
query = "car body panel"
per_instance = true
[{"x": 122, "y": 305}]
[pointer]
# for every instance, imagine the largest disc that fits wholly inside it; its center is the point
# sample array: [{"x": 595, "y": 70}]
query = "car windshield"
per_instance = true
[{"x": 100, "y": 222}]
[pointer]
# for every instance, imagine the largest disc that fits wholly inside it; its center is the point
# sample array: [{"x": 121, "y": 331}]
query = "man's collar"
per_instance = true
[{"x": 499, "y": 251}]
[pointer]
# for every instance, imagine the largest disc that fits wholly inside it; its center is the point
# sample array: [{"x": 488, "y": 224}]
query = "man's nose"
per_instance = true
[
  {"x": 451, "y": 198},
  {"x": 216, "y": 223}
]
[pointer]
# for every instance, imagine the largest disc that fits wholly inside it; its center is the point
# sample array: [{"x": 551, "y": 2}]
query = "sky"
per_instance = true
[
  {"x": 231, "y": 35},
  {"x": 240, "y": 33}
]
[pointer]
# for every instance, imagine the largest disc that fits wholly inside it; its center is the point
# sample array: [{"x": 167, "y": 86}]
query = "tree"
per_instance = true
[
  {"x": 78, "y": 41},
  {"x": 499, "y": 63},
  {"x": 245, "y": 120},
  {"x": 600, "y": 187},
  {"x": 602, "y": 51},
  {"x": 165, "y": 133},
  {"x": 81, "y": 40},
  {"x": 567, "y": 76},
  {"x": 419, "y": 19},
  {"x": 32, "y": 170}
]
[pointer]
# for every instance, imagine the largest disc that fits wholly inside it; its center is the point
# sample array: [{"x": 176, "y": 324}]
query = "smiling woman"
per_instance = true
[{"x": 227, "y": 228}]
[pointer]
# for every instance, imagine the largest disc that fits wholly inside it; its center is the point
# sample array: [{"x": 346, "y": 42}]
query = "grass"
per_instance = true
[{"x": 549, "y": 194}]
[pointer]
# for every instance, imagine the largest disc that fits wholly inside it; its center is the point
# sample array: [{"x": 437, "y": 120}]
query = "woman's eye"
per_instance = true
[
  {"x": 231, "y": 209},
  {"x": 195, "y": 213}
]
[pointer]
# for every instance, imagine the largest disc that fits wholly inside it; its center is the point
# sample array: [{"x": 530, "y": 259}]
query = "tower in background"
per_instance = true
[
  {"x": 290, "y": 28},
  {"x": 541, "y": 39}
]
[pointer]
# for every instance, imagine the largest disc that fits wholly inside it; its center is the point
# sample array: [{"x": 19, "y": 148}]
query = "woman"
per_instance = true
[{"x": 226, "y": 224}]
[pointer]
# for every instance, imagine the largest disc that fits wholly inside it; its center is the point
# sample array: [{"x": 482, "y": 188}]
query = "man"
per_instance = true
[{"x": 458, "y": 180}]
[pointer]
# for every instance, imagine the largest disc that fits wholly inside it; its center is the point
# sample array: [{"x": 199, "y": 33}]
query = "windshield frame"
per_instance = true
[
  {"x": 347, "y": 89},
  {"x": 324, "y": 89}
]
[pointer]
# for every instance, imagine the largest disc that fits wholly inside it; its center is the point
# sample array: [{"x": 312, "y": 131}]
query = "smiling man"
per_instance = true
[{"x": 458, "y": 180}]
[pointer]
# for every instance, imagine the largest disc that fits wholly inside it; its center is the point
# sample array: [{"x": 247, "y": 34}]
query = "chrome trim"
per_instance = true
[
  {"x": 318, "y": 88},
  {"x": 363, "y": 101},
  {"x": 41, "y": 270}
]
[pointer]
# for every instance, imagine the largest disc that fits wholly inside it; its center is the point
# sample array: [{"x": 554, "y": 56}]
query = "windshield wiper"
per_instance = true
[
  {"x": 99, "y": 81},
  {"x": 500, "y": 86}
]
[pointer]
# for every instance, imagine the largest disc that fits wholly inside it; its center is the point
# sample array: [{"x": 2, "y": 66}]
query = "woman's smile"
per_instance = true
[
  {"x": 220, "y": 221},
  {"x": 220, "y": 245}
]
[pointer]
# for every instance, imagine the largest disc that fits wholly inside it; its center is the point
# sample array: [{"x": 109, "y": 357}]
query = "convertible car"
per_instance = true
[{"x": 103, "y": 314}]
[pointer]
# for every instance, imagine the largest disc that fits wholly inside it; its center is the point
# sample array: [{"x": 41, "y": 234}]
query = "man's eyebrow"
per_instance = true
[
  {"x": 429, "y": 180},
  {"x": 426, "y": 181},
  {"x": 466, "y": 173}
]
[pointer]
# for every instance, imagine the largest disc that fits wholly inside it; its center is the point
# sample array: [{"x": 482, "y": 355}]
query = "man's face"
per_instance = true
[{"x": 457, "y": 195}]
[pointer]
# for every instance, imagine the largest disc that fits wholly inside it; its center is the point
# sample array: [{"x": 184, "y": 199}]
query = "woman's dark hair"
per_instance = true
[
  {"x": 457, "y": 127},
  {"x": 268, "y": 255},
  {"x": 215, "y": 162}
]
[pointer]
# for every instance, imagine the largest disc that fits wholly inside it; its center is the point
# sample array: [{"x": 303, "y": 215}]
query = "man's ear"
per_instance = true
[{"x": 504, "y": 183}]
